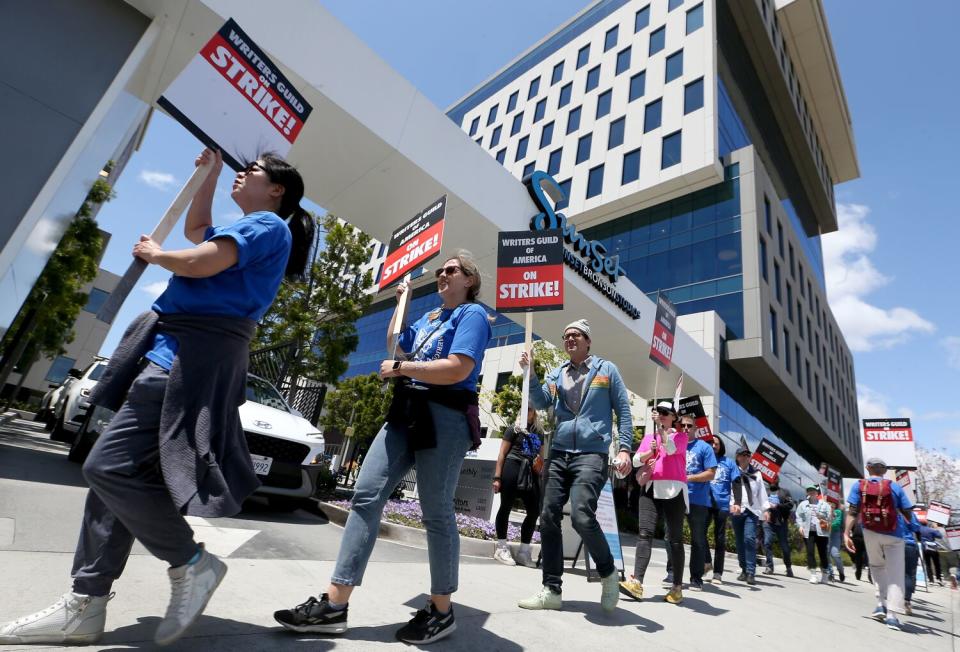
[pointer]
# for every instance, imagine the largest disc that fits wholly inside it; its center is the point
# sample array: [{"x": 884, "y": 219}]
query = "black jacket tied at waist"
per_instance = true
[
  {"x": 203, "y": 452},
  {"x": 409, "y": 410}
]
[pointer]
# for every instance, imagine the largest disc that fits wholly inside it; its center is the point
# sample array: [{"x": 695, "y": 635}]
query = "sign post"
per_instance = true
[
  {"x": 693, "y": 406},
  {"x": 661, "y": 343},
  {"x": 832, "y": 484},
  {"x": 231, "y": 97},
  {"x": 607, "y": 518}
]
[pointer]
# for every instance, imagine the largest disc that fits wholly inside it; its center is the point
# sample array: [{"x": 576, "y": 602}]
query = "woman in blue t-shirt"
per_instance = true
[
  {"x": 432, "y": 423},
  {"x": 720, "y": 488},
  {"x": 176, "y": 445}
]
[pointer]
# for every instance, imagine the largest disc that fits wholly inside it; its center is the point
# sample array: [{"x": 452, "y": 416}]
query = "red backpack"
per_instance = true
[{"x": 877, "y": 511}]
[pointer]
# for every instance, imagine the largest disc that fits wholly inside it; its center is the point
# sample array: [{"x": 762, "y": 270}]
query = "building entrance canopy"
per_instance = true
[{"x": 375, "y": 151}]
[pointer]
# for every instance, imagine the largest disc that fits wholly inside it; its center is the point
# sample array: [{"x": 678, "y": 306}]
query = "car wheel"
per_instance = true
[
  {"x": 82, "y": 442},
  {"x": 285, "y": 503},
  {"x": 58, "y": 432}
]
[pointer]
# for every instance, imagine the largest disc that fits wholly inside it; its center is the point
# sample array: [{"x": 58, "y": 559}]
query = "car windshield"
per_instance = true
[
  {"x": 98, "y": 371},
  {"x": 262, "y": 392}
]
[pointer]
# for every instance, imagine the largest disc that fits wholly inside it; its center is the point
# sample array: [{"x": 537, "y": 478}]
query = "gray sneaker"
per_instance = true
[
  {"x": 74, "y": 618},
  {"x": 610, "y": 591},
  {"x": 191, "y": 587},
  {"x": 546, "y": 599}
]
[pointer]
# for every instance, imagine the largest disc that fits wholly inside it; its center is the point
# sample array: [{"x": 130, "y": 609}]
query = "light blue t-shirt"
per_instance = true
[
  {"x": 700, "y": 457},
  {"x": 440, "y": 333},
  {"x": 899, "y": 498},
  {"x": 244, "y": 290},
  {"x": 909, "y": 529},
  {"x": 720, "y": 486}
]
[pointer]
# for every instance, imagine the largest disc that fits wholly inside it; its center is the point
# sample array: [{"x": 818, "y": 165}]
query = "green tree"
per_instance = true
[
  {"x": 360, "y": 402},
  {"x": 506, "y": 402},
  {"x": 319, "y": 312},
  {"x": 45, "y": 322}
]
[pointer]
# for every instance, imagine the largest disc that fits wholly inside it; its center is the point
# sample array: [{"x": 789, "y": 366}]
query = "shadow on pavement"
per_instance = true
[
  {"x": 619, "y": 618},
  {"x": 257, "y": 509},
  {"x": 210, "y": 633},
  {"x": 33, "y": 465},
  {"x": 701, "y": 606}
]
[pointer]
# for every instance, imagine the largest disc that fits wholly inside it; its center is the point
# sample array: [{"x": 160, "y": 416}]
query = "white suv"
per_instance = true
[
  {"x": 287, "y": 450},
  {"x": 74, "y": 401}
]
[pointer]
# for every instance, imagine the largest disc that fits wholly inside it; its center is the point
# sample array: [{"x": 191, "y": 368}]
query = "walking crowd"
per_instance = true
[{"x": 170, "y": 452}]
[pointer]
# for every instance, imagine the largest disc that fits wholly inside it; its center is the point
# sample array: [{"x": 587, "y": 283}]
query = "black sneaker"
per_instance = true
[
  {"x": 789, "y": 571},
  {"x": 742, "y": 576},
  {"x": 427, "y": 626},
  {"x": 313, "y": 616},
  {"x": 751, "y": 579},
  {"x": 696, "y": 585}
]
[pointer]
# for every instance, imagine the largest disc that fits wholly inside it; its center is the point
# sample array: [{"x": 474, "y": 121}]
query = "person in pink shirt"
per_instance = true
[{"x": 662, "y": 474}]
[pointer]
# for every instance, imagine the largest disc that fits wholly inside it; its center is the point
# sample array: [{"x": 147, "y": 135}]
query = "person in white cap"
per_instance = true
[{"x": 584, "y": 393}]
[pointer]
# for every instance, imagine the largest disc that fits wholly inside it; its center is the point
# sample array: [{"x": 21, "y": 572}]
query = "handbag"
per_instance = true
[
  {"x": 525, "y": 481},
  {"x": 645, "y": 472},
  {"x": 538, "y": 465}
]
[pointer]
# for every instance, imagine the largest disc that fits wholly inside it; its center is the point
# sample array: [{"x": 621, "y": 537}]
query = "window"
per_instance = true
[
  {"x": 776, "y": 280},
  {"x": 517, "y": 121},
  {"x": 546, "y": 135},
  {"x": 565, "y": 95},
  {"x": 534, "y": 88},
  {"x": 673, "y": 4},
  {"x": 695, "y": 18},
  {"x": 642, "y": 19},
  {"x": 809, "y": 339},
  {"x": 638, "y": 85},
  {"x": 799, "y": 320},
  {"x": 615, "y": 137},
  {"x": 553, "y": 163},
  {"x": 59, "y": 369},
  {"x": 774, "y": 334},
  {"x": 95, "y": 300},
  {"x": 474, "y": 125},
  {"x": 566, "y": 187},
  {"x": 631, "y": 167},
  {"x": 479, "y": 141},
  {"x": 674, "y": 66},
  {"x": 603, "y": 103},
  {"x": 583, "y": 148},
  {"x": 595, "y": 182},
  {"x": 780, "y": 238},
  {"x": 789, "y": 301},
  {"x": 521, "y": 148},
  {"x": 793, "y": 260},
  {"x": 768, "y": 218},
  {"x": 623, "y": 60},
  {"x": 502, "y": 155},
  {"x": 527, "y": 170},
  {"x": 693, "y": 96},
  {"x": 593, "y": 78},
  {"x": 670, "y": 154},
  {"x": 502, "y": 379},
  {"x": 492, "y": 115},
  {"x": 573, "y": 120},
  {"x": 557, "y": 73},
  {"x": 495, "y": 137},
  {"x": 540, "y": 110},
  {"x": 610, "y": 38},
  {"x": 809, "y": 384},
  {"x": 583, "y": 55},
  {"x": 512, "y": 102},
  {"x": 763, "y": 259},
  {"x": 786, "y": 348},
  {"x": 658, "y": 40},
  {"x": 651, "y": 116}
]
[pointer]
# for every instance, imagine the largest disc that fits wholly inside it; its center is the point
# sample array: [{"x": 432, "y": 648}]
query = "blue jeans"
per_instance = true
[
  {"x": 836, "y": 541},
  {"x": 782, "y": 534},
  {"x": 579, "y": 476},
  {"x": 911, "y": 556},
  {"x": 745, "y": 532},
  {"x": 699, "y": 519},
  {"x": 438, "y": 471}
]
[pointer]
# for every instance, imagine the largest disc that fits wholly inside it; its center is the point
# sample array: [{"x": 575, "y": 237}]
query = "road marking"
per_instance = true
[{"x": 221, "y": 541}]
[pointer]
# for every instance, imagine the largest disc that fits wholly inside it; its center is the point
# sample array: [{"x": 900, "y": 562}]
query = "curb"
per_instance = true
[{"x": 417, "y": 537}]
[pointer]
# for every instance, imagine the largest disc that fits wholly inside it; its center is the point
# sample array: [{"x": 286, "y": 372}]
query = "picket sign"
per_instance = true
[
  {"x": 398, "y": 319},
  {"x": 525, "y": 389},
  {"x": 108, "y": 311}
]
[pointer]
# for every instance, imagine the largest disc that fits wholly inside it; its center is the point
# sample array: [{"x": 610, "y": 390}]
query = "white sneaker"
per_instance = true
[
  {"x": 503, "y": 556},
  {"x": 825, "y": 578},
  {"x": 74, "y": 618},
  {"x": 191, "y": 587},
  {"x": 524, "y": 558},
  {"x": 814, "y": 577}
]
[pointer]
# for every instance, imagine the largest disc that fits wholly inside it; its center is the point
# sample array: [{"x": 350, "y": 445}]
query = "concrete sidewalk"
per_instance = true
[{"x": 781, "y": 613}]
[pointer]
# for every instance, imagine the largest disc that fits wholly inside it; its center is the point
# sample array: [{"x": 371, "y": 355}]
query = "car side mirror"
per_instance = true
[{"x": 76, "y": 373}]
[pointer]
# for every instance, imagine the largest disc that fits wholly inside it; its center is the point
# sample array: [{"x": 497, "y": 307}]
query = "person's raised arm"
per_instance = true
[
  {"x": 540, "y": 395},
  {"x": 204, "y": 260},
  {"x": 403, "y": 298},
  {"x": 200, "y": 215}
]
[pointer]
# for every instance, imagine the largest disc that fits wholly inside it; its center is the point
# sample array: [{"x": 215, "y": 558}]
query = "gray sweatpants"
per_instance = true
[{"x": 128, "y": 498}]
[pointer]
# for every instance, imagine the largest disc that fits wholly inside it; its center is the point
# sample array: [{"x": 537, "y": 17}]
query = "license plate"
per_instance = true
[{"x": 261, "y": 464}]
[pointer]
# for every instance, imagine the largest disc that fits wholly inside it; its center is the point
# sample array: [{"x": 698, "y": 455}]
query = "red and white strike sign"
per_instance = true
[
  {"x": 414, "y": 243},
  {"x": 529, "y": 270}
]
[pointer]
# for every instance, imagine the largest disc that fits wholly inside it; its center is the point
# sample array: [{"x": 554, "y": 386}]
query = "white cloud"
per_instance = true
[
  {"x": 154, "y": 289},
  {"x": 872, "y": 404},
  {"x": 158, "y": 180},
  {"x": 952, "y": 345},
  {"x": 851, "y": 276},
  {"x": 906, "y": 412}
]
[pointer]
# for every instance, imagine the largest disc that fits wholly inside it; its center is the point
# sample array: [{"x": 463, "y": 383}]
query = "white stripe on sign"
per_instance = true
[{"x": 221, "y": 541}]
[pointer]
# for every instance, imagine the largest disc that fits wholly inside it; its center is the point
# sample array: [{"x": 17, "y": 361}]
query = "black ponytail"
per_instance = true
[{"x": 301, "y": 223}]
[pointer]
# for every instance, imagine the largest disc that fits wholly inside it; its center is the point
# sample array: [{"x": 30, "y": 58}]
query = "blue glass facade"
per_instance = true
[
  {"x": 372, "y": 329},
  {"x": 811, "y": 245},
  {"x": 689, "y": 248}
]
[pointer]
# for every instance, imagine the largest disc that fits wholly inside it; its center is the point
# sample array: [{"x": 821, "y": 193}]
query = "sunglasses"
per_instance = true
[
  {"x": 688, "y": 426},
  {"x": 572, "y": 336},
  {"x": 449, "y": 270}
]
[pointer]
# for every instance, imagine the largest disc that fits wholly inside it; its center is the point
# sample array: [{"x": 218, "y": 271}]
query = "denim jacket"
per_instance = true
[{"x": 589, "y": 430}]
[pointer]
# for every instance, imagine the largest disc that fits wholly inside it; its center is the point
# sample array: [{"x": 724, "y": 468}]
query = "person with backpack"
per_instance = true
[
  {"x": 775, "y": 525},
  {"x": 876, "y": 501}
]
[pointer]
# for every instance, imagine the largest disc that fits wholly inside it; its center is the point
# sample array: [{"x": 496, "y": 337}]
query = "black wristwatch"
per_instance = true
[{"x": 396, "y": 364}]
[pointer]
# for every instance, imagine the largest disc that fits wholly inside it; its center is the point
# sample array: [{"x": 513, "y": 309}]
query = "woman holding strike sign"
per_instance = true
[
  {"x": 433, "y": 421},
  {"x": 176, "y": 379}
]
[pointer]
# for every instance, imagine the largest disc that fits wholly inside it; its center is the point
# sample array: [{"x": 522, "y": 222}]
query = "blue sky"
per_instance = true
[{"x": 887, "y": 267}]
